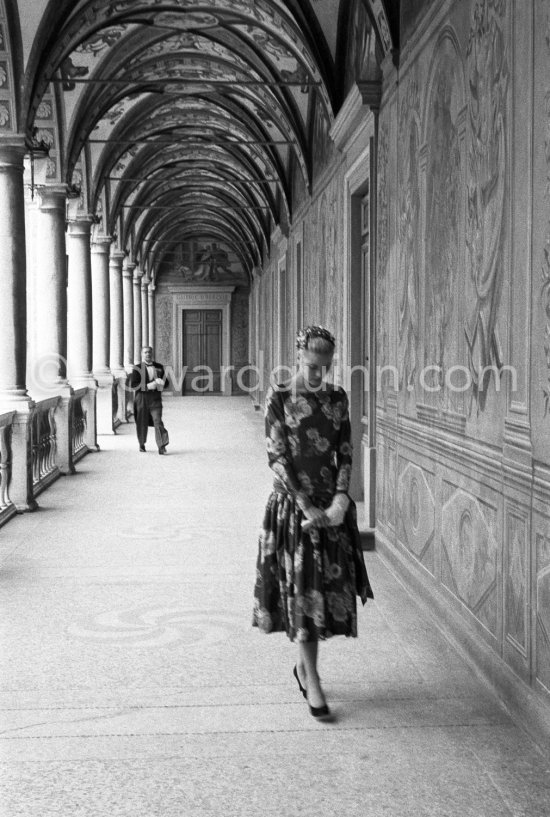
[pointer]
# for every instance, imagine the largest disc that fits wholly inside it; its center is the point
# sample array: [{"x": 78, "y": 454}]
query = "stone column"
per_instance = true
[
  {"x": 144, "y": 310},
  {"x": 13, "y": 321},
  {"x": 151, "y": 295},
  {"x": 79, "y": 319},
  {"x": 128, "y": 313},
  {"x": 138, "y": 274},
  {"x": 32, "y": 202},
  {"x": 48, "y": 369},
  {"x": 101, "y": 312},
  {"x": 116, "y": 345}
]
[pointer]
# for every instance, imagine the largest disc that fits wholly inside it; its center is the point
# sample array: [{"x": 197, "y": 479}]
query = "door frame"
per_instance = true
[
  {"x": 203, "y": 297},
  {"x": 360, "y": 324}
]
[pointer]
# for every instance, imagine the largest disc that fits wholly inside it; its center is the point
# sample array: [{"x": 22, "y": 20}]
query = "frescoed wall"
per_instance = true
[
  {"x": 463, "y": 443},
  {"x": 461, "y": 283}
]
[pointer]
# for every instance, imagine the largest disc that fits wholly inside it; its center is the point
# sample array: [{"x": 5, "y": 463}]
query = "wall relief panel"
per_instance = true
[
  {"x": 469, "y": 553},
  {"x": 409, "y": 230},
  {"x": 516, "y": 581},
  {"x": 416, "y": 511},
  {"x": 444, "y": 190},
  {"x": 488, "y": 77},
  {"x": 383, "y": 251}
]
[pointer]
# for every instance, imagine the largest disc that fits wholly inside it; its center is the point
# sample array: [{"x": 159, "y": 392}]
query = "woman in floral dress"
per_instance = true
[{"x": 310, "y": 563}]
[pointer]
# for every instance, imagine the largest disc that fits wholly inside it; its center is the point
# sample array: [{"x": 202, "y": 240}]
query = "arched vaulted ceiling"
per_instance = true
[{"x": 188, "y": 117}]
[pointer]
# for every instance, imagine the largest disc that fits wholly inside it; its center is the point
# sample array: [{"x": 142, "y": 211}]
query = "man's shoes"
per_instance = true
[
  {"x": 162, "y": 449},
  {"x": 142, "y": 448}
]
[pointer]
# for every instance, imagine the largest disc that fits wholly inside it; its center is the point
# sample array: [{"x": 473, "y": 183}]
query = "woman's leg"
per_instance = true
[{"x": 307, "y": 672}]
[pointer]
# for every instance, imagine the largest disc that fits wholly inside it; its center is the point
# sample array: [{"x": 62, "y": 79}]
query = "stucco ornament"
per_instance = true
[{"x": 488, "y": 80}]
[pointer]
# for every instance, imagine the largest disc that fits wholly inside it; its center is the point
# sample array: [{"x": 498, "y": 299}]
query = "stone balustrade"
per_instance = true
[
  {"x": 79, "y": 424},
  {"x": 58, "y": 430},
  {"x": 45, "y": 468},
  {"x": 7, "y": 508}
]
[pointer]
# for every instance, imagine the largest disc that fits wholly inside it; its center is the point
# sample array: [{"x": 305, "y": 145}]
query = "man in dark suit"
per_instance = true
[{"x": 147, "y": 381}]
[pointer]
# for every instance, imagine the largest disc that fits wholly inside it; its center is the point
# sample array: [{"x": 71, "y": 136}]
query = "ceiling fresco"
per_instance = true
[{"x": 193, "y": 115}]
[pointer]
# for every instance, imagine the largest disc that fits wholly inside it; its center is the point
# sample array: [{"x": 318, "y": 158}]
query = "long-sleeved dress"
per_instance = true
[{"x": 307, "y": 581}]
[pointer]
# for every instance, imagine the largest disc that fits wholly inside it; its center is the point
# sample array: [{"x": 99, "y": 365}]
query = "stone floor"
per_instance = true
[{"x": 132, "y": 684}]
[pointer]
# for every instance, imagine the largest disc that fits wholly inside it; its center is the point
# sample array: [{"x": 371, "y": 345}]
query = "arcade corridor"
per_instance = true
[
  {"x": 133, "y": 685},
  {"x": 206, "y": 178}
]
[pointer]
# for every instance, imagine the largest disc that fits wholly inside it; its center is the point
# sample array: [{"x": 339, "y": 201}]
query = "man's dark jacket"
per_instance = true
[{"x": 144, "y": 399}]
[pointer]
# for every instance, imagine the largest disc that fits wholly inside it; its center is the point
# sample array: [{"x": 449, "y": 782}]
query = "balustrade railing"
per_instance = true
[
  {"x": 38, "y": 445},
  {"x": 7, "y": 508},
  {"x": 44, "y": 444},
  {"x": 78, "y": 429}
]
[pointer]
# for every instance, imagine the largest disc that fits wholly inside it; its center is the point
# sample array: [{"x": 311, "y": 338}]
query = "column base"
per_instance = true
[
  {"x": 83, "y": 381},
  {"x": 15, "y": 400}
]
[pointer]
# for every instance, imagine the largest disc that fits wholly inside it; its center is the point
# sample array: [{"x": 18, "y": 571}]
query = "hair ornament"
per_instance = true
[{"x": 305, "y": 335}]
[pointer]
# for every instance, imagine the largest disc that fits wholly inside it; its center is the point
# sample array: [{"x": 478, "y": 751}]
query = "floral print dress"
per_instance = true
[{"x": 307, "y": 581}]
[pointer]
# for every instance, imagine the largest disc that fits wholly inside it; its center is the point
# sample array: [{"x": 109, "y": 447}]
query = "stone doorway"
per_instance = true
[{"x": 202, "y": 351}]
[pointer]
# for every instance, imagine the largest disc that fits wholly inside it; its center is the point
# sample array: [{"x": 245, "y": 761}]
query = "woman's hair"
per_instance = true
[{"x": 316, "y": 339}]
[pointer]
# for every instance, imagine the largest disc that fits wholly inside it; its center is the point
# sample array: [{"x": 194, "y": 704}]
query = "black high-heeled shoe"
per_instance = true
[
  {"x": 320, "y": 712},
  {"x": 302, "y": 689}
]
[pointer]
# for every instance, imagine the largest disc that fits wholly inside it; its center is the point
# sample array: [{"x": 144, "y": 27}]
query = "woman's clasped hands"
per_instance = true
[{"x": 331, "y": 517}]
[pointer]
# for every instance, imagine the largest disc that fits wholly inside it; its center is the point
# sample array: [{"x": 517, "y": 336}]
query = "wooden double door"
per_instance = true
[{"x": 202, "y": 351}]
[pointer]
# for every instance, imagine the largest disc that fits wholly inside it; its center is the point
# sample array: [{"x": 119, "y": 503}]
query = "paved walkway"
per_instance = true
[{"x": 132, "y": 684}]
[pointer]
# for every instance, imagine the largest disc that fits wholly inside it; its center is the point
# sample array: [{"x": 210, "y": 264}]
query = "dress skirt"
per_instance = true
[{"x": 307, "y": 581}]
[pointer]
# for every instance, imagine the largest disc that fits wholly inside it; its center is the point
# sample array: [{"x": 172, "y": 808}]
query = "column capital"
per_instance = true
[
  {"x": 117, "y": 255},
  {"x": 12, "y": 153},
  {"x": 52, "y": 197},
  {"x": 80, "y": 225},
  {"x": 145, "y": 282},
  {"x": 128, "y": 268},
  {"x": 101, "y": 244},
  {"x": 138, "y": 274}
]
